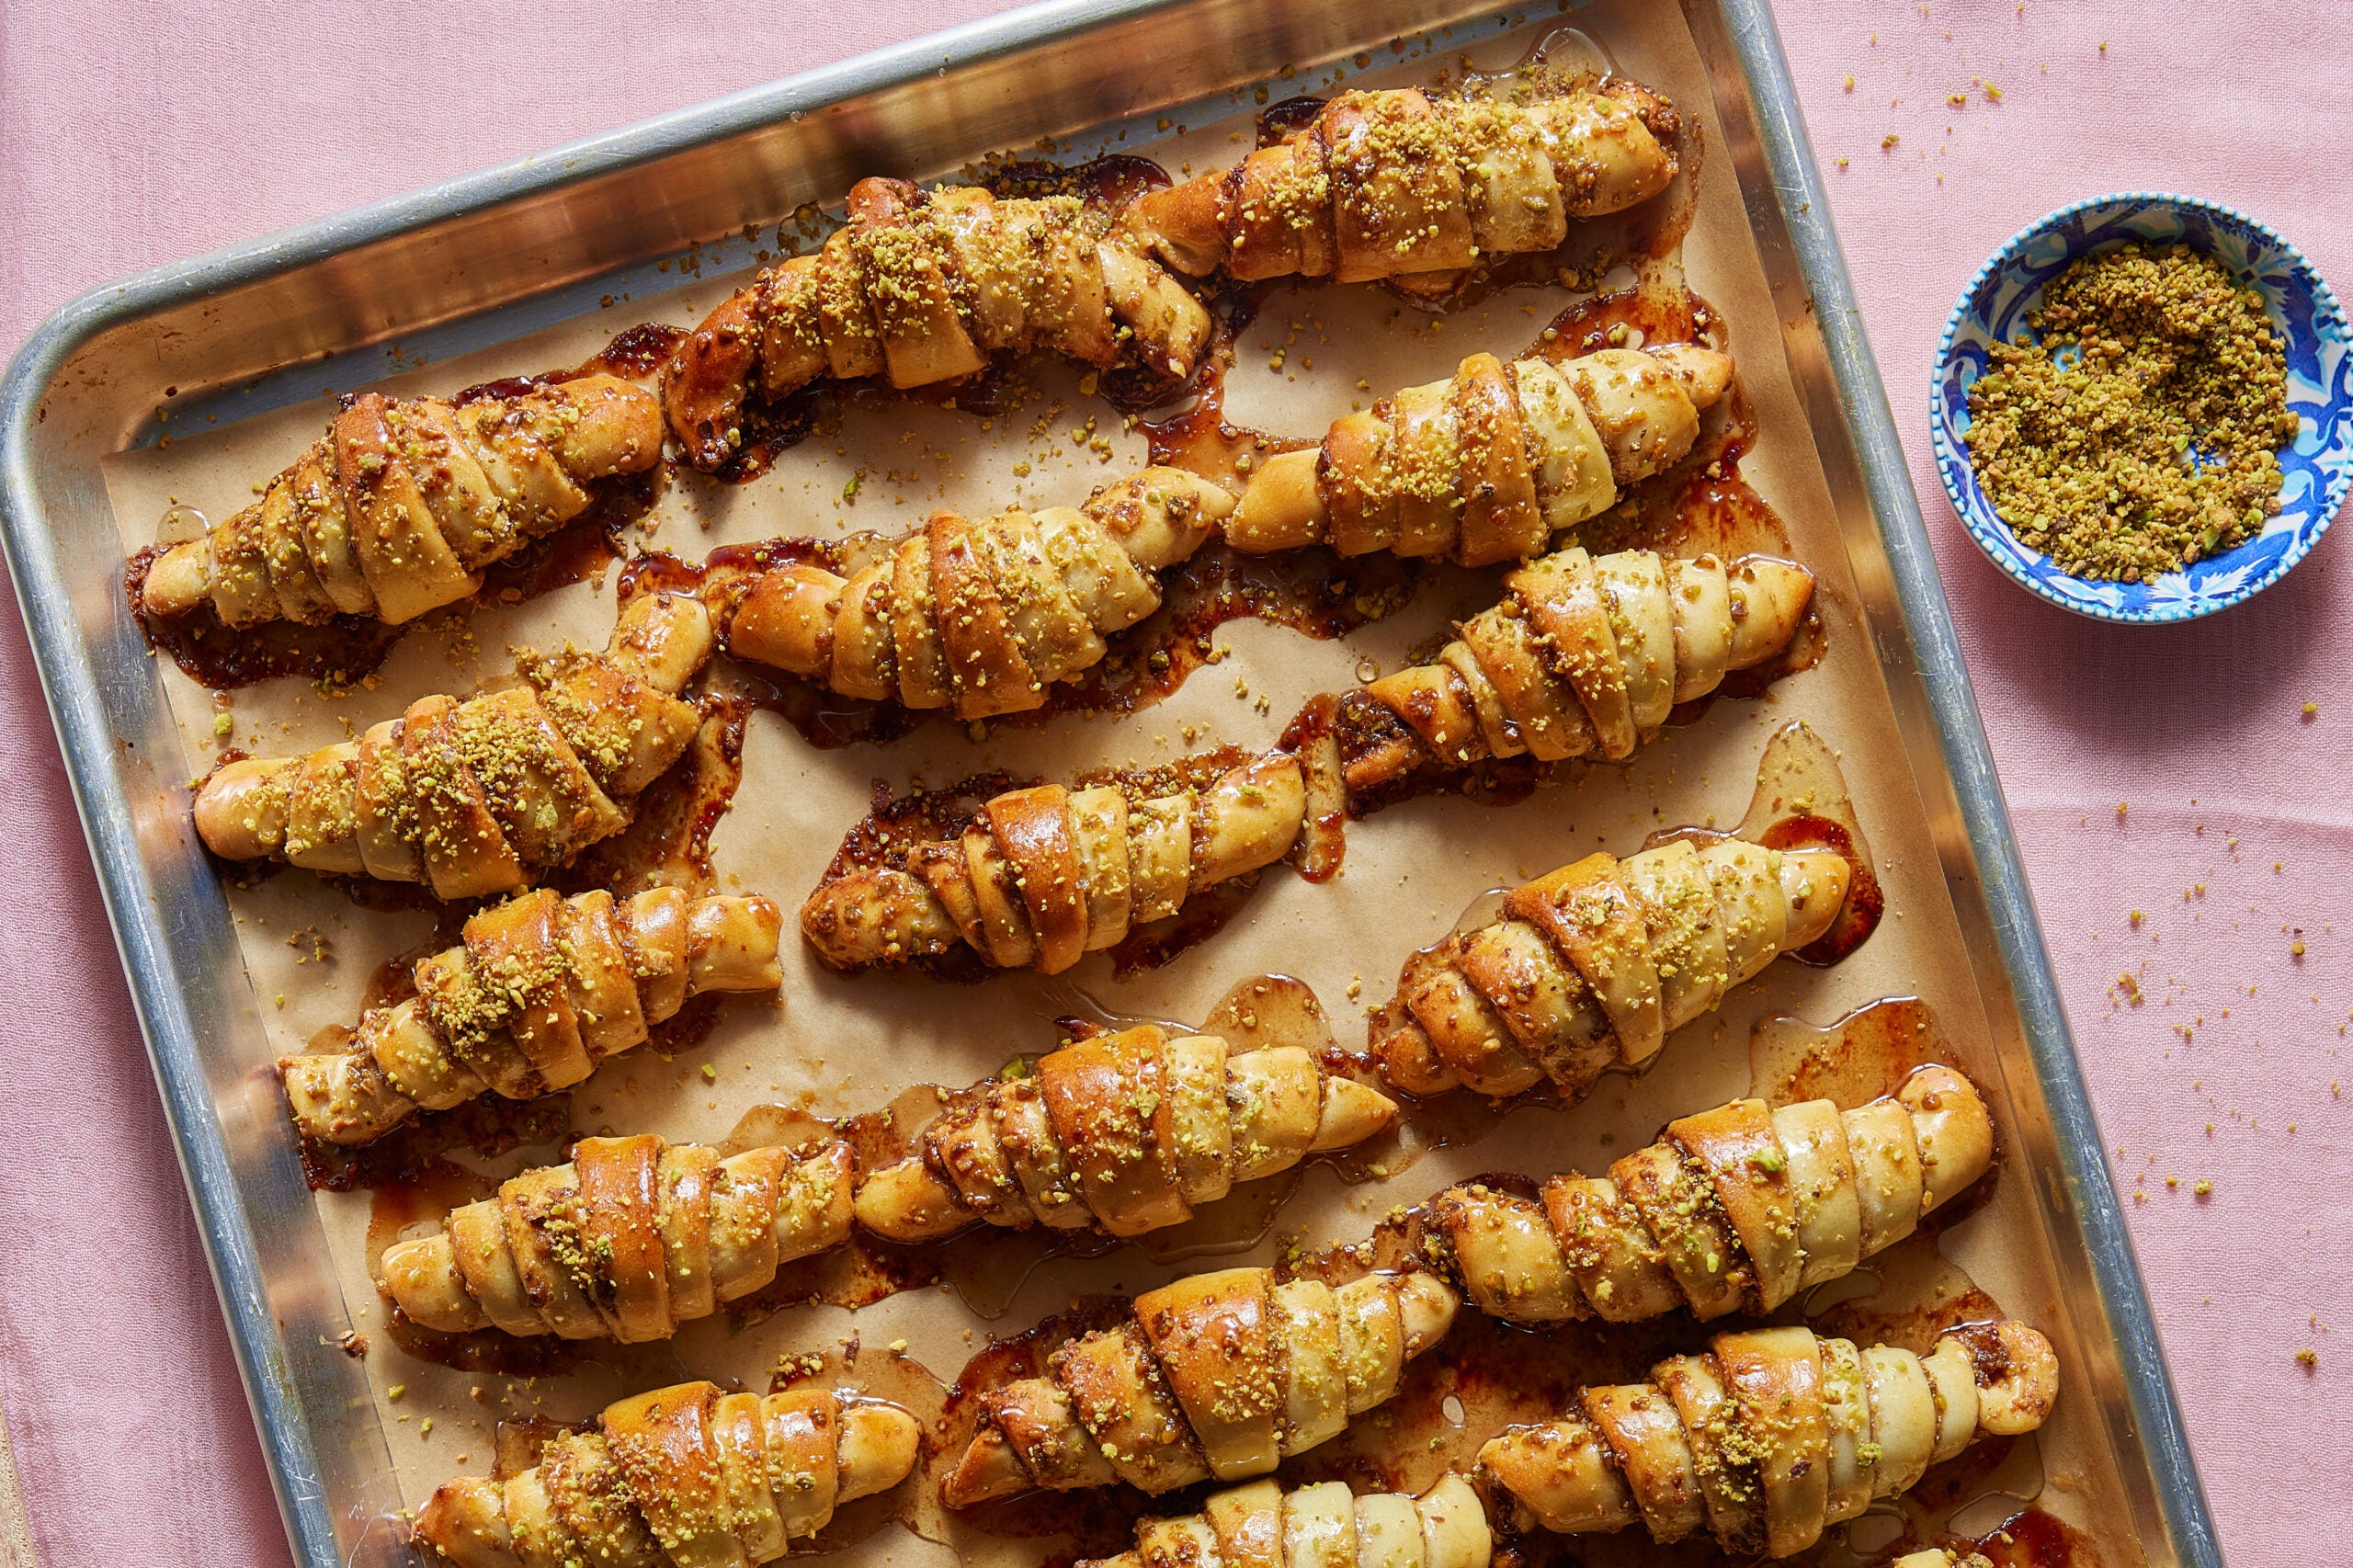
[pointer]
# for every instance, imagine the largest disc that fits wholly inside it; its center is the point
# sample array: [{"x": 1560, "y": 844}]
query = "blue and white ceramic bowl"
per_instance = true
[{"x": 2317, "y": 467}]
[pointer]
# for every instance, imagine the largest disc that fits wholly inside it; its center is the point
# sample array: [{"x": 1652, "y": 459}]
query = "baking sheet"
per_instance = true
[{"x": 838, "y": 1046}]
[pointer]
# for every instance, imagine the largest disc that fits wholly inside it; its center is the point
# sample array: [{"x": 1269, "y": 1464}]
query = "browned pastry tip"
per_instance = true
[{"x": 404, "y": 501}]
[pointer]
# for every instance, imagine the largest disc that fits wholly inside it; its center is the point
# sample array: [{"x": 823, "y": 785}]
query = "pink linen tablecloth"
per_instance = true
[{"x": 2184, "y": 812}]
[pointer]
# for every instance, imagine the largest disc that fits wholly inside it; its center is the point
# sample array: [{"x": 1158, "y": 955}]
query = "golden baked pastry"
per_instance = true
[
  {"x": 1771, "y": 1436},
  {"x": 627, "y": 1240},
  {"x": 397, "y": 509},
  {"x": 1046, "y": 875},
  {"x": 1595, "y": 964},
  {"x": 920, "y": 287},
  {"x": 482, "y": 795},
  {"x": 979, "y": 616},
  {"x": 1489, "y": 464},
  {"x": 1738, "y": 1209},
  {"x": 682, "y": 1477},
  {"x": 1260, "y": 1525},
  {"x": 1124, "y": 1133},
  {"x": 541, "y": 989},
  {"x": 1219, "y": 1375},
  {"x": 1585, "y": 657},
  {"x": 1393, "y": 183}
]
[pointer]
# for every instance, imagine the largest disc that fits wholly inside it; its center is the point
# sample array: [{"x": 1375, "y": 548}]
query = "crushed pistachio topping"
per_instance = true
[{"x": 2137, "y": 430}]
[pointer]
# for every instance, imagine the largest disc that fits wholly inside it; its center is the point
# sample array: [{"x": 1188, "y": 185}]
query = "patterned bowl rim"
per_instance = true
[{"x": 1953, "y": 468}]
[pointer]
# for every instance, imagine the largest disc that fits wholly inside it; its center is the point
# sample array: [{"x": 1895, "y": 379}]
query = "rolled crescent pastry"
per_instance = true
[
  {"x": 481, "y": 796},
  {"x": 1486, "y": 466},
  {"x": 980, "y": 615},
  {"x": 1591, "y": 965},
  {"x": 682, "y": 1477},
  {"x": 1738, "y": 1209},
  {"x": 400, "y": 507},
  {"x": 1391, "y": 182},
  {"x": 1260, "y": 1525},
  {"x": 920, "y": 287},
  {"x": 631, "y": 1238},
  {"x": 541, "y": 991},
  {"x": 1125, "y": 1133},
  {"x": 1046, "y": 875},
  {"x": 1219, "y": 1375},
  {"x": 1771, "y": 1436},
  {"x": 1584, "y": 656},
  {"x": 1595, "y": 964}
]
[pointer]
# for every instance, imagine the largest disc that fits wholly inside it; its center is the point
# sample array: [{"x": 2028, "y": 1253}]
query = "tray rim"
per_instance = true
[
  {"x": 76, "y": 705},
  {"x": 1935, "y": 641}
]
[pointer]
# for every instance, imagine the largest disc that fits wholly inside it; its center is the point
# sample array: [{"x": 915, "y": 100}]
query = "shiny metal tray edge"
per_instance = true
[
  {"x": 1970, "y": 790},
  {"x": 318, "y": 1429}
]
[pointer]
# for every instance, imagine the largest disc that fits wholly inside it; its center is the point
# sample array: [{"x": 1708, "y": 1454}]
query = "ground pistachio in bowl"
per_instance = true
[
  {"x": 2138, "y": 428},
  {"x": 2142, "y": 408}
]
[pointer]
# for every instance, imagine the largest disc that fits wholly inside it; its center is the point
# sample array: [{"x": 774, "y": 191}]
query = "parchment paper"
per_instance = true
[{"x": 841, "y": 1045}]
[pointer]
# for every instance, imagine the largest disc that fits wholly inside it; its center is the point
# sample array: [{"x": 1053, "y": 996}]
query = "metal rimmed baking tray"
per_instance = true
[{"x": 492, "y": 258}]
